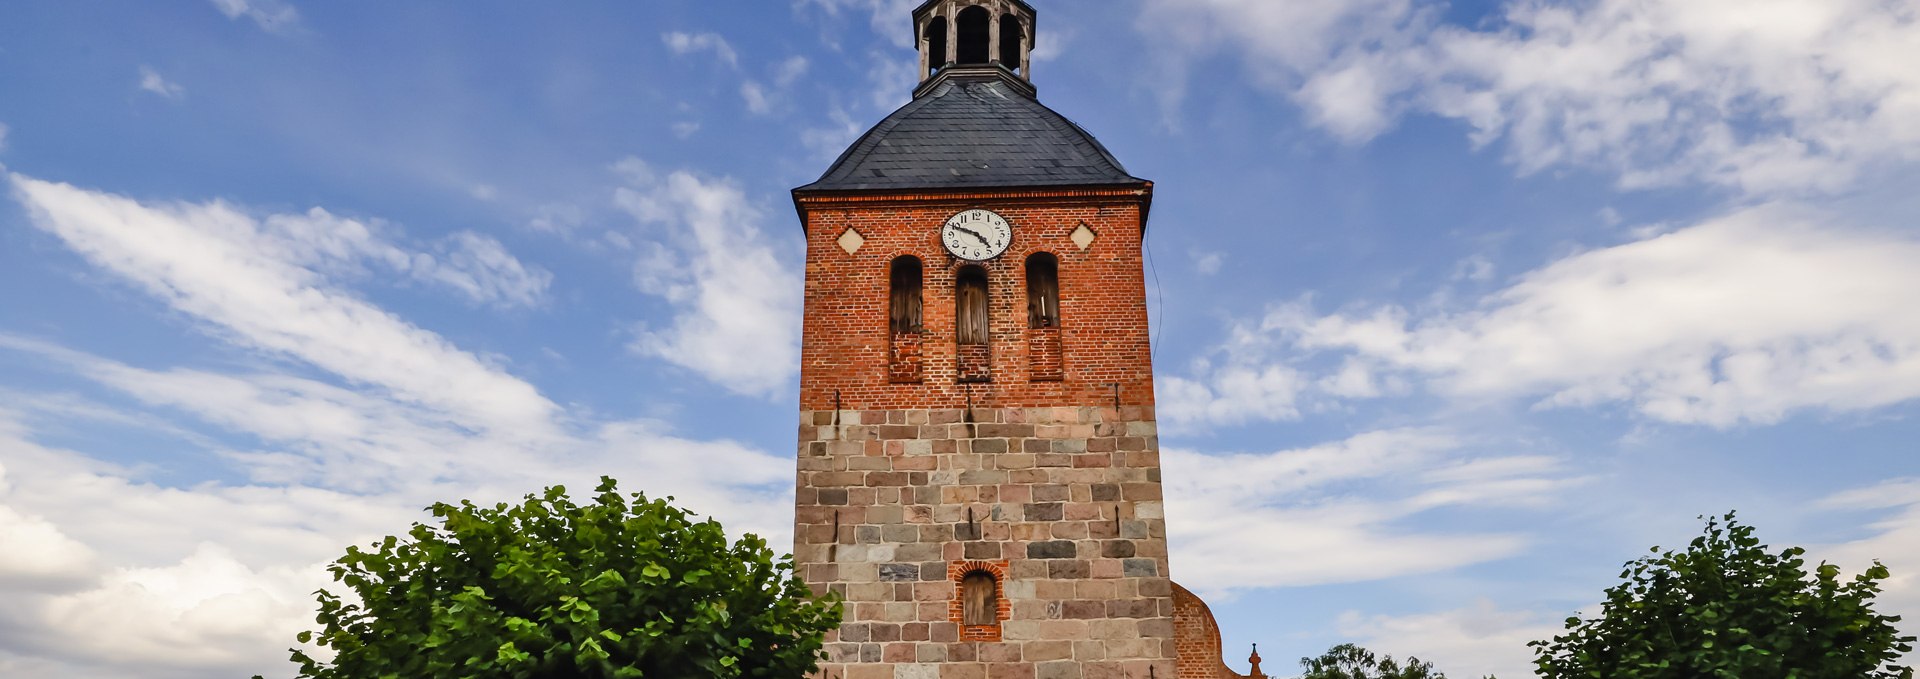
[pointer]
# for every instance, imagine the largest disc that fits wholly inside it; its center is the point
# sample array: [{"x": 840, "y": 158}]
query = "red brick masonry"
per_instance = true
[{"x": 1197, "y": 637}]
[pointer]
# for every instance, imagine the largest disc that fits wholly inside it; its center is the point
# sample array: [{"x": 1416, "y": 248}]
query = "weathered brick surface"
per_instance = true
[
  {"x": 1196, "y": 635},
  {"x": 1045, "y": 357},
  {"x": 1102, "y": 340}
]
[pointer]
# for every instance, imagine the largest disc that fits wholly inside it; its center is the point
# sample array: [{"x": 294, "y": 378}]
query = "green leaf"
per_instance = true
[{"x": 548, "y": 587}]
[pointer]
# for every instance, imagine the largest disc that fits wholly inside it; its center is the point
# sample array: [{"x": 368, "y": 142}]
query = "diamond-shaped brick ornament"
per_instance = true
[
  {"x": 1083, "y": 236},
  {"x": 852, "y": 240}
]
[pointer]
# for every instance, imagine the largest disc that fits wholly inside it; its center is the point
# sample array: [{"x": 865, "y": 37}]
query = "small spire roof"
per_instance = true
[{"x": 973, "y": 132}]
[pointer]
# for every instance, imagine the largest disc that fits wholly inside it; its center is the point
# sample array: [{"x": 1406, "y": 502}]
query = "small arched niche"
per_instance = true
[
  {"x": 905, "y": 296},
  {"x": 971, "y": 318},
  {"x": 1043, "y": 290},
  {"x": 975, "y": 33},
  {"x": 972, "y": 327},
  {"x": 905, "y": 292}
]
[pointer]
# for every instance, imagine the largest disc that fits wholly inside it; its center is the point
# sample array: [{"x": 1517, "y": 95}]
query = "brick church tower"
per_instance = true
[{"x": 979, "y": 470}]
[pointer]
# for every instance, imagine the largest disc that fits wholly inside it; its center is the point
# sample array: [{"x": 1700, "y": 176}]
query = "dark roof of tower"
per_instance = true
[{"x": 973, "y": 133}]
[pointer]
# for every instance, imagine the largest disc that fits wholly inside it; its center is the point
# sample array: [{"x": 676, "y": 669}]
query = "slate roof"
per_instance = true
[{"x": 973, "y": 133}]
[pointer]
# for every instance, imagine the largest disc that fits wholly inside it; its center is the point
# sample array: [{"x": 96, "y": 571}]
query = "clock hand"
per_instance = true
[{"x": 976, "y": 235}]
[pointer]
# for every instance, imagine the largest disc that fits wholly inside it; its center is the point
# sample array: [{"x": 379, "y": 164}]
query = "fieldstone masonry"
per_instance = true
[{"x": 1063, "y": 503}]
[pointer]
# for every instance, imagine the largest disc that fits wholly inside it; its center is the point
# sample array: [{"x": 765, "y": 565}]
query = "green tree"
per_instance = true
[
  {"x": 548, "y": 588},
  {"x": 1348, "y": 661},
  {"x": 1726, "y": 607}
]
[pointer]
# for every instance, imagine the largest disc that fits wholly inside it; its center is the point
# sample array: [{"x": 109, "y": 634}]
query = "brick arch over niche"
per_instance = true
[
  {"x": 957, "y": 573},
  {"x": 1196, "y": 638}
]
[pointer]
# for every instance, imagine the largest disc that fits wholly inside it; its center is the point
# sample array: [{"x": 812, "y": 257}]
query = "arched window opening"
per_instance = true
[
  {"x": 1013, "y": 38},
  {"x": 970, "y": 310},
  {"x": 936, "y": 44},
  {"x": 904, "y": 309},
  {"x": 1043, "y": 291},
  {"x": 975, "y": 26},
  {"x": 979, "y": 599}
]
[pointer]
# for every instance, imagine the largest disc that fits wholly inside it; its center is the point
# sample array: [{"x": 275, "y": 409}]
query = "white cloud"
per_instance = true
[
  {"x": 37, "y": 553},
  {"x": 693, "y": 43},
  {"x": 1232, "y": 394},
  {"x": 888, "y": 17},
  {"x": 152, "y": 81},
  {"x": 686, "y": 129},
  {"x": 560, "y": 219},
  {"x": 763, "y": 100},
  {"x": 788, "y": 72},
  {"x": 3, "y": 136},
  {"x": 1208, "y": 263},
  {"x": 208, "y": 610},
  {"x": 1280, "y": 39},
  {"x": 1484, "y": 639},
  {"x": 1471, "y": 642},
  {"x": 477, "y": 266},
  {"x": 149, "y": 580},
  {"x": 736, "y": 297},
  {"x": 1333, "y": 533},
  {"x": 1895, "y": 541},
  {"x": 481, "y": 268},
  {"x": 1052, "y": 44},
  {"x": 1746, "y": 318},
  {"x": 1780, "y": 95},
  {"x": 1477, "y": 269},
  {"x": 890, "y": 82},
  {"x": 262, "y": 285},
  {"x": 758, "y": 100},
  {"x": 127, "y": 576},
  {"x": 271, "y": 15}
]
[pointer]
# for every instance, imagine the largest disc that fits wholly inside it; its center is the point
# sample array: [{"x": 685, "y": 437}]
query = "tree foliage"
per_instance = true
[
  {"x": 1348, "y": 661},
  {"x": 1726, "y": 607},
  {"x": 548, "y": 588}
]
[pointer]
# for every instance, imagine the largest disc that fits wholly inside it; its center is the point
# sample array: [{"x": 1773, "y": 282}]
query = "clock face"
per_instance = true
[{"x": 976, "y": 235}]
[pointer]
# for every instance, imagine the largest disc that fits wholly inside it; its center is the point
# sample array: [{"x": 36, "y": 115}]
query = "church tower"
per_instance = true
[{"x": 979, "y": 470}]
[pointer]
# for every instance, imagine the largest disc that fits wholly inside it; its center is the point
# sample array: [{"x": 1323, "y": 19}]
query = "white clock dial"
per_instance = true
[{"x": 976, "y": 235}]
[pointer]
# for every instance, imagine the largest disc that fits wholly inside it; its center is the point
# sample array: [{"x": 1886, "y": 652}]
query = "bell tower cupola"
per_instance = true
[{"x": 975, "y": 38}]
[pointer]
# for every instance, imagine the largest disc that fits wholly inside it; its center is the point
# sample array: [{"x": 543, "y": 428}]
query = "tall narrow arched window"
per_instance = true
[
  {"x": 970, "y": 306},
  {"x": 975, "y": 27},
  {"x": 1012, "y": 38},
  {"x": 936, "y": 44},
  {"x": 1043, "y": 291},
  {"x": 904, "y": 300},
  {"x": 979, "y": 599}
]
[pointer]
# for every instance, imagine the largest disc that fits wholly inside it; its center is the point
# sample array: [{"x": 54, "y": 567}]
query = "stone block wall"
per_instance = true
[{"x": 1063, "y": 504}]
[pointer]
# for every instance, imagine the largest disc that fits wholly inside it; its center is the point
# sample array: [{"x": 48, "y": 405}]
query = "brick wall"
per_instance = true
[
  {"x": 1196, "y": 637},
  {"x": 1103, "y": 338}
]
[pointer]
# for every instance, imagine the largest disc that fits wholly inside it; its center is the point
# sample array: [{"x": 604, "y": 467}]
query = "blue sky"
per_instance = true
[{"x": 1458, "y": 306}]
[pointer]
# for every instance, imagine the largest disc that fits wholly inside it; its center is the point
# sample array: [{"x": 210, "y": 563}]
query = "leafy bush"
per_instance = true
[
  {"x": 1726, "y": 607},
  {"x": 548, "y": 588}
]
